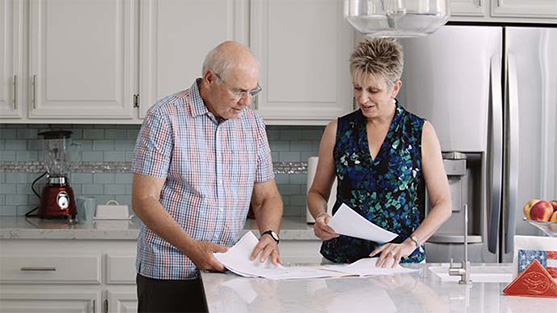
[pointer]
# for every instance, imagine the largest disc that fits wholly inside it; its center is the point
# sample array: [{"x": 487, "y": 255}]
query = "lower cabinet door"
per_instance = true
[
  {"x": 120, "y": 302},
  {"x": 49, "y": 301}
]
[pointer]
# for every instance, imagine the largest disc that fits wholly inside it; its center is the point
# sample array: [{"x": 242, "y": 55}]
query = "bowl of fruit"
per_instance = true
[{"x": 542, "y": 214}]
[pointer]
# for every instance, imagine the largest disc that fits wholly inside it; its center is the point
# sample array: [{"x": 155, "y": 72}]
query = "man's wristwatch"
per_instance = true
[{"x": 273, "y": 235}]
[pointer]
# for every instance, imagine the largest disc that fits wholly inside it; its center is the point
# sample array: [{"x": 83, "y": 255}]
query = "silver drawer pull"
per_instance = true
[{"x": 39, "y": 269}]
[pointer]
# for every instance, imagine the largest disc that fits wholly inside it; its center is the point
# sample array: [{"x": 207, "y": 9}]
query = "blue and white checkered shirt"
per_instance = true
[{"x": 210, "y": 170}]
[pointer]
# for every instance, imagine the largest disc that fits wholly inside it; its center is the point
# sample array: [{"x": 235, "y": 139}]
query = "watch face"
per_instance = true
[{"x": 273, "y": 235}]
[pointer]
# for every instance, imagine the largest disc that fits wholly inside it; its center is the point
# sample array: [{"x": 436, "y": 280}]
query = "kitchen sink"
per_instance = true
[{"x": 479, "y": 273}]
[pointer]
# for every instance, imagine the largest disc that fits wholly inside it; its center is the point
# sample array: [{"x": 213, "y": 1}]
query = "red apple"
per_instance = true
[
  {"x": 554, "y": 204},
  {"x": 553, "y": 217},
  {"x": 526, "y": 208},
  {"x": 541, "y": 211}
]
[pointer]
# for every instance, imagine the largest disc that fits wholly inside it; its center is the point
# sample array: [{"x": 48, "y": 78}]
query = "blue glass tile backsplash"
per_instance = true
[{"x": 102, "y": 157}]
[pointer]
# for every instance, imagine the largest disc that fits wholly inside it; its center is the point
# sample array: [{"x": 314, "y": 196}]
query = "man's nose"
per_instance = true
[{"x": 246, "y": 100}]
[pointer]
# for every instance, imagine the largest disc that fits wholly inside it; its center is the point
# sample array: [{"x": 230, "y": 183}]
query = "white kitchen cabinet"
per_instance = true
[
  {"x": 67, "y": 275},
  {"x": 11, "y": 58},
  {"x": 175, "y": 37},
  {"x": 121, "y": 302},
  {"x": 303, "y": 47},
  {"x": 469, "y": 8},
  {"x": 35, "y": 300},
  {"x": 525, "y": 8},
  {"x": 507, "y": 11},
  {"x": 51, "y": 269},
  {"x": 82, "y": 59}
]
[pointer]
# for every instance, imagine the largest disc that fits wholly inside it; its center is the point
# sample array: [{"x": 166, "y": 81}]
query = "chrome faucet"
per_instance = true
[{"x": 463, "y": 270}]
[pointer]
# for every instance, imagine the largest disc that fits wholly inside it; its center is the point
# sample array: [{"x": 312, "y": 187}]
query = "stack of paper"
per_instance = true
[{"x": 236, "y": 259}]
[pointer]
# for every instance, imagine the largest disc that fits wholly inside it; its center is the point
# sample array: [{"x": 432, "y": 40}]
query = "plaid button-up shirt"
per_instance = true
[{"x": 210, "y": 170}]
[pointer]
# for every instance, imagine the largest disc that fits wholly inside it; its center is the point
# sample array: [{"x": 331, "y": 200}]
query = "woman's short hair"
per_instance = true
[{"x": 378, "y": 57}]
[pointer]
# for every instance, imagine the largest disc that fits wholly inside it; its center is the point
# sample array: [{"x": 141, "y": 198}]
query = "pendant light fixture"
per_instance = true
[{"x": 396, "y": 18}]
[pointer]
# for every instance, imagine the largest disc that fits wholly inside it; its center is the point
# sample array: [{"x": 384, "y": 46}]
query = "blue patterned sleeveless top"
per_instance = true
[{"x": 387, "y": 190}]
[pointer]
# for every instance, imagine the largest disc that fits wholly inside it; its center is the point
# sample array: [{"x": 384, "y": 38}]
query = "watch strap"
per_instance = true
[{"x": 272, "y": 234}]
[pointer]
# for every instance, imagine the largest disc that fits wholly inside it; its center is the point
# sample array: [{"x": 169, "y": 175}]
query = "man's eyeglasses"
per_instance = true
[{"x": 239, "y": 93}]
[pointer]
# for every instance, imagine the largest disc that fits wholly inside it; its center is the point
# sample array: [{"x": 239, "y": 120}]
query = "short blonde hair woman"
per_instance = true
[{"x": 383, "y": 157}]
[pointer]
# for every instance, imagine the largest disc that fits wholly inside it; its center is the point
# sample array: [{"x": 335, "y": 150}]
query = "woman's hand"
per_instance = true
[
  {"x": 322, "y": 230},
  {"x": 393, "y": 252}
]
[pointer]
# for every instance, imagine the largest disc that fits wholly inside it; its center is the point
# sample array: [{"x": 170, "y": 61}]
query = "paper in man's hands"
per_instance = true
[
  {"x": 236, "y": 259},
  {"x": 349, "y": 223}
]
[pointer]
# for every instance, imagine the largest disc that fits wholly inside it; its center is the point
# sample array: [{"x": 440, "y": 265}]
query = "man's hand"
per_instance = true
[
  {"x": 322, "y": 230},
  {"x": 201, "y": 254},
  {"x": 268, "y": 247}
]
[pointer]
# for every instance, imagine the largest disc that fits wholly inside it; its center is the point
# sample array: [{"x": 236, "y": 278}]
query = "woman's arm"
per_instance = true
[
  {"x": 320, "y": 190},
  {"x": 439, "y": 195},
  {"x": 436, "y": 183}
]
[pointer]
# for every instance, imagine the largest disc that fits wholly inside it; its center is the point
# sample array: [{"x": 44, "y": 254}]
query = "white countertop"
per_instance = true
[
  {"x": 421, "y": 291},
  {"x": 19, "y": 227}
]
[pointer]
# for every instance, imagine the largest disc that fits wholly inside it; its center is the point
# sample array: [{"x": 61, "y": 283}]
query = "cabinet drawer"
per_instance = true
[
  {"x": 51, "y": 269},
  {"x": 120, "y": 269}
]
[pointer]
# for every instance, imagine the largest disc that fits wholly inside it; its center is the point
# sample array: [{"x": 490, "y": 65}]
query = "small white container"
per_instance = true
[{"x": 112, "y": 210}]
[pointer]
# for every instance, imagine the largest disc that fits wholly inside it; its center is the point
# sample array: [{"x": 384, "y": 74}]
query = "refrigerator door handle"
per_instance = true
[
  {"x": 513, "y": 150},
  {"x": 495, "y": 154}
]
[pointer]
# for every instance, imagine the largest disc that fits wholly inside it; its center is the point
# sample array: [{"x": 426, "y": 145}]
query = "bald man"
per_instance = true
[{"x": 201, "y": 160}]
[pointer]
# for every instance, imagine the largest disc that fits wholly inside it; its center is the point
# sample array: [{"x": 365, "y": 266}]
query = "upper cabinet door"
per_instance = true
[
  {"x": 83, "y": 58},
  {"x": 11, "y": 58},
  {"x": 175, "y": 37},
  {"x": 303, "y": 47},
  {"x": 525, "y": 8},
  {"x": 469, "y": 8}
]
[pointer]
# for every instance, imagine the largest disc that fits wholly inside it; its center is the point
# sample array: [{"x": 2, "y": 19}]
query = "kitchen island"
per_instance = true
[{"x": 421, "y": 291}]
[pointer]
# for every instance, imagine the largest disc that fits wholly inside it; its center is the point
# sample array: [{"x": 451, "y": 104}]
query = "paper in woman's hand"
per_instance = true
[{"x": 349, "y": 223}]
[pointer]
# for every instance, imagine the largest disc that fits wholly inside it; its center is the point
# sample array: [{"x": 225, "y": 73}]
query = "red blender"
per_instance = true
[{"x": 57, "y": 198}]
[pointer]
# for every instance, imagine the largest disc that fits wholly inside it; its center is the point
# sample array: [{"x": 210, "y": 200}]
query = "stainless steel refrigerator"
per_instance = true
[{"x": 491, "y": 94}]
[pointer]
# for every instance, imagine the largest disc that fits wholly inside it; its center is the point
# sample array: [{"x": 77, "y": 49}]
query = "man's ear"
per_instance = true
[{"x": 209, "y": 77}]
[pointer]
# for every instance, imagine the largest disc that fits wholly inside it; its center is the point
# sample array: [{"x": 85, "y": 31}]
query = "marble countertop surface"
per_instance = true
[
  {"x": 421, "y": 291},
  {"x": 19, "y": 227}
]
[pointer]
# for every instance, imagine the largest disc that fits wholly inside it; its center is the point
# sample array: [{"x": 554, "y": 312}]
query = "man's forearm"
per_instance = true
[
  {"x": 157, "y": 219},
  {"x": 269, "y": 215}
]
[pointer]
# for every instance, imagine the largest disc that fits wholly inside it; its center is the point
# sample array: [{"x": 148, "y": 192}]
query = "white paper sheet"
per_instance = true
[
  {"x": 236, "y": 259},
  {"x": 349, "y": 223},
  {"x": 367, "y": 267}
]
